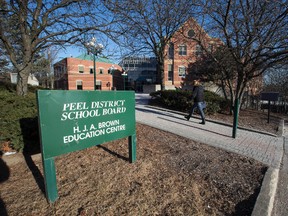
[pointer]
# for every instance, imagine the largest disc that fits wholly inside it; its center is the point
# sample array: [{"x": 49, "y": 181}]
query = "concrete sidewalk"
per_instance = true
[{"x": 265, "y": 148}]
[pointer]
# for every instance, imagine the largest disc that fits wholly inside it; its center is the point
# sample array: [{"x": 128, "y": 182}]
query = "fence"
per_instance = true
[{"x": 255, "y": 102}]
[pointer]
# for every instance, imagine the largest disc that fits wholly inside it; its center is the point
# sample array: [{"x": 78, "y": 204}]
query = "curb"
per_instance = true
[
  {"x": 266, "y": 198},
  {"x": 281, "y": 128}
]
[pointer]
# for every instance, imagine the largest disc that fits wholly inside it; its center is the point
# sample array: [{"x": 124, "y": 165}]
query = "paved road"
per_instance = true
[{"x": 265, "y": 148}]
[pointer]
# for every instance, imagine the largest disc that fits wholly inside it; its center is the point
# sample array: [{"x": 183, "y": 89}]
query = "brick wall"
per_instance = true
[
  {"x": 193, "y": 52},
  {"x": 71, "y": 66}
]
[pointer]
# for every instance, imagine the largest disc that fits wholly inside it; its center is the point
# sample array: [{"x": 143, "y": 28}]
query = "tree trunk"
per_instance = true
[
  {"x": 22, "y": 80},
  {"x": 52, "y": 82},
  {"x": 160, "y": 69},
  {"x": 237, "y": 101}
]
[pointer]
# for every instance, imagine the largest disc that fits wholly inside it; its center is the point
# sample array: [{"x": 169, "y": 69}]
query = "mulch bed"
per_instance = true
[{"x": 172, "y": 176}]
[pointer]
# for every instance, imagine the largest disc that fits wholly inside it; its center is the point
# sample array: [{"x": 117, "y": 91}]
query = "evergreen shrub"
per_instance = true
[
  {"x": 18, "y": 119},
  {"x": 181, "y": 100}
]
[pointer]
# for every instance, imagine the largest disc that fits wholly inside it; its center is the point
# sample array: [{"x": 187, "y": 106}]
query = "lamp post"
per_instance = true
[
  {"x": 124, "y": 74},
  {"x": 95, "y": 49},
  {"x": 112, "y": 74}
]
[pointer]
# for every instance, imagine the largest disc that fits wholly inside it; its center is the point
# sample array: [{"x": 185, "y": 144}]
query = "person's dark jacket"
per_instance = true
[{"x": 198, "y": 94}]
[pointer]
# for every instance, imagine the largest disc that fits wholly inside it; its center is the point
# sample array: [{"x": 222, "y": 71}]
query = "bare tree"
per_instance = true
[
  {"x": 41, "y": 70},
  {"x": 148, "y": 25},
  {"x": 254, "y": 34},
  {"x": 26, "y": 27},
  {"x": 276, "y": 79},
  {"x": 3, "y": 60}
]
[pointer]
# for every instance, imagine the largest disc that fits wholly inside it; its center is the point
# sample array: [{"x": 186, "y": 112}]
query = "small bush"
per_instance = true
[
  {"x": 180, "y": 100},
  {"x": 18, "y": 119},
  {"x": 172, "y": 99},
  {"x": 215, "y": 103}
]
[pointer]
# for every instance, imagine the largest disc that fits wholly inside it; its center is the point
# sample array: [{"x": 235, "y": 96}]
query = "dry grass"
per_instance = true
[{"x": 172, "y": 176}]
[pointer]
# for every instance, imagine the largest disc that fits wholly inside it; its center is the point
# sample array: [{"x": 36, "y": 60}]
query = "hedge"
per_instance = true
[
  {"x": 18, "y": 119},
  {"x": 180, "y": 100}
]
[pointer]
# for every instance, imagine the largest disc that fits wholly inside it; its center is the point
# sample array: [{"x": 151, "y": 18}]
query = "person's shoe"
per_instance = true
[
  {"x": 203, "y": 122},
  {"x": 187, "y": 118}
]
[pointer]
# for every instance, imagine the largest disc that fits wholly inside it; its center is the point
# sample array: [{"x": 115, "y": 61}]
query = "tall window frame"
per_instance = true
[
  {"x": 182, "y": 71},
  {"x": 81, "y": 69},
  {"x": 170, "y": 72},
  {"x": 98, "y": 85},
  {"x": 199, "y": 50},
  {"x": 182, "y": 50},
  {"x": 171, "y": 50},
  {"x": 79, "y": 84},
  {"x": 91, "y": 70}
]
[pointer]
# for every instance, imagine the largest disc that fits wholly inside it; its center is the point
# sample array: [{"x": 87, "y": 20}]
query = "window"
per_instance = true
[
  {"x": 171, "y": 51},
  {"x": 199, "y": 50},
  {"x": 210, "y": 47},
  {"x": 191, "y": 33},
  {"x": 79, "y": 85},
  {"x": 182, "y": 50},
  {"x": 101, "y": 70},
  {"x": 98, "y": 85},
  {"x": 91, "y": 70},
  {"x": 81, "y": 68},
  {"x": 170, "y": 72},
  {"x": 182, "y": 71}
]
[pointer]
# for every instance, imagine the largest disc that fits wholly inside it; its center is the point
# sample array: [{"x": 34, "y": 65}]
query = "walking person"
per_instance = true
[{"x": 199, "y": 103}]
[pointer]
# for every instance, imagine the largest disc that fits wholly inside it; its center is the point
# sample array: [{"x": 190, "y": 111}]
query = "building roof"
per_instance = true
[{"x": 98, "y": 59}]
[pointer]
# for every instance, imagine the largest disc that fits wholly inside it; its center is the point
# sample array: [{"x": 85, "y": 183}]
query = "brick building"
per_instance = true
[
  {"x": 78, "y": 74},
  {"x": 186, "y": 46}
]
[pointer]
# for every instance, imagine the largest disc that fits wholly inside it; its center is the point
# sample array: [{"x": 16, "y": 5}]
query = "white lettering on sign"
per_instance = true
[
  {"x": 111, "y": 111},
  {"x": 115, "y": 129},
  {"x": 77, "y": 129},
  {"x": 104, "y": 104},
  {"x": 82, "y": 136},
  {"x": 79, "y": 114},
  {"x": 81, "y": 110},
  {"x": 108, "y": 123},
  {"x": 75, "y": 106},
  {"x": 90, "y": 131}
]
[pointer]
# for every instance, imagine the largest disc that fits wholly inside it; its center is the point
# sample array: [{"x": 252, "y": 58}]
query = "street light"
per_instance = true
[
  {"x": 124, "y": 74},
  {"x": 95, "y": 49},
  {"x": 112, "y": 68}
]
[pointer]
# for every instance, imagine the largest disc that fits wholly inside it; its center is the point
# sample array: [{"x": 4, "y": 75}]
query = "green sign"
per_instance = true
[{"x": 75, "y": 120}]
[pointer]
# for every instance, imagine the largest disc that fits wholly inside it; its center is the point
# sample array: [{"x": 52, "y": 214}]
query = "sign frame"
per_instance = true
[
  {"x": 79, "y": 120},
  {"x": 269, "y": 96}
]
